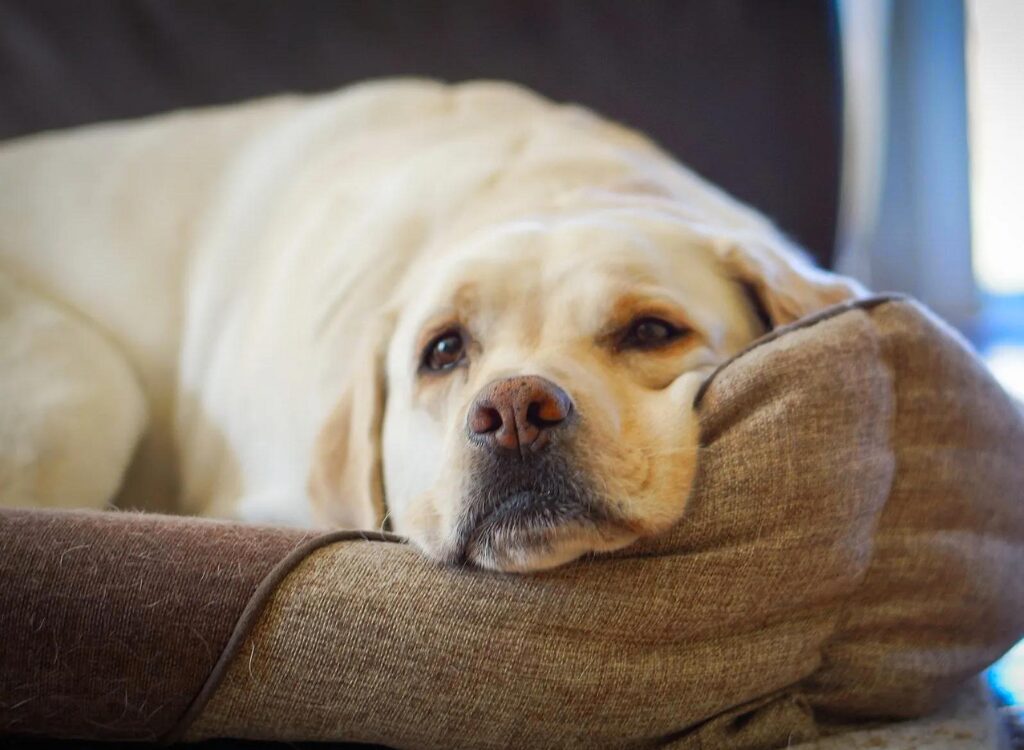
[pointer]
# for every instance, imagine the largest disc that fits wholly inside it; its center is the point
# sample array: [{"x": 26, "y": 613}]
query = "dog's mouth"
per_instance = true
[{"x": 531, "y": 516}]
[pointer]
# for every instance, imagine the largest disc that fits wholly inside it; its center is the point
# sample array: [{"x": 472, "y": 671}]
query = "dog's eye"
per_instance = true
[
  {"x": 650, "y": 333},
  {"x": 444, "y": 351}
]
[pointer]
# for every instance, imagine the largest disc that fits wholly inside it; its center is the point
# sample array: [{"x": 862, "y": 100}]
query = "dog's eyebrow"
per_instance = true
[
  {"x": 627, "y": 306},
  {"x": 465, "y": 298},
  {"x": 437, "y": 324}
]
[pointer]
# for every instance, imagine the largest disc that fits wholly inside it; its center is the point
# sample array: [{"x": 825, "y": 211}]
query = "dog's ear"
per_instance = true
[
  {"x": 785, "y": 284},
  {"x": 346, "y": 478}
]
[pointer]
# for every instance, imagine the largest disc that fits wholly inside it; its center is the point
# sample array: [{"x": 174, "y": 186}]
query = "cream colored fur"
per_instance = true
[{"x": 228, "y": 302}]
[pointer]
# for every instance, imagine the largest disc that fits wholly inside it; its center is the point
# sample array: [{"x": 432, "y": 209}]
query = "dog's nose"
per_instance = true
[{"x": 518, "y": 413}]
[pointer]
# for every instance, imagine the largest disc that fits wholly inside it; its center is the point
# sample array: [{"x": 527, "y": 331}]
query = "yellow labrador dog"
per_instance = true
[{"x": 466, "y": 309}]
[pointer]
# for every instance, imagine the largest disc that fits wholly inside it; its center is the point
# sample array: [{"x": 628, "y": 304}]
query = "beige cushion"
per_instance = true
[
  {"x": 972, "y": 720},
  {"x": 852, "y": 548}
]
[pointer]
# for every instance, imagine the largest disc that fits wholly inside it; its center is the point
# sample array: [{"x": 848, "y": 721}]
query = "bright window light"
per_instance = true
[
  {"x": 1007, "y": 676},
  {"x": 995, "y": 70},
  {"x": 1007, "y": 364}
]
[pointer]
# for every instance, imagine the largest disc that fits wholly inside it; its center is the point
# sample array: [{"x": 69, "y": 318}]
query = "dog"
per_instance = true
[{"x": 462, "y": 311}]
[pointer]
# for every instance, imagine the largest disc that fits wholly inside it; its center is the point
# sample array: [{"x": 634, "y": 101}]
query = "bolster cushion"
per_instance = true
[{"x": 851, "y": 549}]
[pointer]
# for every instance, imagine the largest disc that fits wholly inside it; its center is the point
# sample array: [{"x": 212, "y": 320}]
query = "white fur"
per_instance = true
[{"x": 199, "y": 279}]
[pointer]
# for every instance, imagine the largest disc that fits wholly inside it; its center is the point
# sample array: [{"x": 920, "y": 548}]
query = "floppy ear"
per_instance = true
[
  {"x": 786, "y": 284},
  {"x": 346, "y": 481}
]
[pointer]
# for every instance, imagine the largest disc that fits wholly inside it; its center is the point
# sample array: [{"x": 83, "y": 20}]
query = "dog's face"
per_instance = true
[
  {"x": 539, "y": 390},
  {"x": 539, "y": 387}
]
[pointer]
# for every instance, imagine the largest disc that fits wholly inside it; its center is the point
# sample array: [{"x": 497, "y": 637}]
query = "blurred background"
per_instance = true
[
  {"x": 881, "y": 134},
  {"x": 933, "y": 162},
  {"x": 884, "y": 135}
]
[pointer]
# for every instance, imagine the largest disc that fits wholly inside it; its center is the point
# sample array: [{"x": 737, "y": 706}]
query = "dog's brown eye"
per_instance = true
[
  {"x": 445, "y": 351},
  {"x": 650, "y": 333}
]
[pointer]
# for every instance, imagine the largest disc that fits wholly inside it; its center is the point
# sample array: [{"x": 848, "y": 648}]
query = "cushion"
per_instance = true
[{"x": 850, "y": 550}]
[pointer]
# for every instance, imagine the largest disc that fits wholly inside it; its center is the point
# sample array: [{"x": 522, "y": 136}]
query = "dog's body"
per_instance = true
[{"x": 208, "y": 292}]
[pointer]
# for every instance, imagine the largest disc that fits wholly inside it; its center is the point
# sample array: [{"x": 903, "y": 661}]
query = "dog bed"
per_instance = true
[{"x": 851, "y": 550}]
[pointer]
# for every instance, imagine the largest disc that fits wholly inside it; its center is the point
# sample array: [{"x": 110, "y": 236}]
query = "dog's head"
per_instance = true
[{"x": 540, "y": 379}]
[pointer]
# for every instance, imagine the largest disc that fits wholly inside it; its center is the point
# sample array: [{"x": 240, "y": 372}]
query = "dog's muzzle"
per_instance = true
[{"x": 524, "y": 491}]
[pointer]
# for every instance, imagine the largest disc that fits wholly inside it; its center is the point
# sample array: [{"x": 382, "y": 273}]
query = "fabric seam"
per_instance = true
[
  {"x": 251, "y": 613},
  {"x": 864, "y": 303}
]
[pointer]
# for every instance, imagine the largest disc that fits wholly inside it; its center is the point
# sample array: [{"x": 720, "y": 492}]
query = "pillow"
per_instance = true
[{"x": 850, "y": 550}]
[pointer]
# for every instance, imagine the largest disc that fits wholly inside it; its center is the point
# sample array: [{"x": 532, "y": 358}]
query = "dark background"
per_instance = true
[{"x": 747, "y": 92}]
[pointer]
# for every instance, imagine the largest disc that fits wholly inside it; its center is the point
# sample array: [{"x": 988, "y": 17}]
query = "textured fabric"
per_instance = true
[
  {"x": 110, "y": 622},
  {"x": 851, "y": 548},
  {"x": 945, "y": 592},
  {"x": 969, "y": 722}
]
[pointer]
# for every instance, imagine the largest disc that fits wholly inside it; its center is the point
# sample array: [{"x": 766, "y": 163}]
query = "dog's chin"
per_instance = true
[
  {"x": 525, "y": 533},
  {"x": 533, "y": 551}
]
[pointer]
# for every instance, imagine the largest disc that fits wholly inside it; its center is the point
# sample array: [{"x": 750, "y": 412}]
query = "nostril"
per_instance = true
[
  {"x": 484, "y": 420},
  {"x": 517, "y": 413},
  {"x": 548, "y": 412}
]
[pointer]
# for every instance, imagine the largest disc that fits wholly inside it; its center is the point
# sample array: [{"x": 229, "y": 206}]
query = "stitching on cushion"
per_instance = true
[
  {"x": 251, "y": 613},
  {"x": 865, "y": 303}
]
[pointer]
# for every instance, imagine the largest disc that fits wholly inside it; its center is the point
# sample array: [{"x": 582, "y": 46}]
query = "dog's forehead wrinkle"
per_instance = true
[
  {"x": 521, "y": 285},
  {"x": 561, "y": 245}
]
